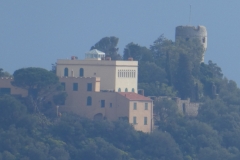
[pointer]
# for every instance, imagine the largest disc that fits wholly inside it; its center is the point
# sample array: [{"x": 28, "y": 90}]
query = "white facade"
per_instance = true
[{"x": 115, "y": 75}]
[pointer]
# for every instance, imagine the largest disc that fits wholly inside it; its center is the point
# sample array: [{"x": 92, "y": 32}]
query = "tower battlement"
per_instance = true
[{"x": 192, "y": 32}]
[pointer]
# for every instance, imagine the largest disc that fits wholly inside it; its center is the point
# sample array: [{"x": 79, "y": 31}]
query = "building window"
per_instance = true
[
  {"x": 119, "y": 89},
  {"x": 133, "y": 90},
  {"x": 145, "y": 120},
  {"x": 134, "y": 120},
  {"x": 134, "y": 74},
  {"x": 66, "y": 72},
  {"x": 110, "y": 105},
  {"x": 81, "y": 72},
  {"x": 102, "y": 103},
  {"x": 135, "y": 106},
  {"x": 63, "y": 86},
  {"x": 89, "y": 101},
  {"x": 126, "y": 90},
  {"x": 146, "y": 106},
  {"x": 89, "y": 87},
  {"x": 5, "y": 90},
  {"x": 75, "y": 86}
]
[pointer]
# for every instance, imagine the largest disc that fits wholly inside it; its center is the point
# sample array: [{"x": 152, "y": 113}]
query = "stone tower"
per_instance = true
[{"x": 192, "y": 32}]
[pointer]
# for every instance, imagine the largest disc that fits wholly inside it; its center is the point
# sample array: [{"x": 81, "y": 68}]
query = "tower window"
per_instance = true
[{"x": 204, "y": 39}]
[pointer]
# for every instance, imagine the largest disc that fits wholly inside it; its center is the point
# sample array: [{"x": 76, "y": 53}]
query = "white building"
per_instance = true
[{"x": 119, "y": 76}]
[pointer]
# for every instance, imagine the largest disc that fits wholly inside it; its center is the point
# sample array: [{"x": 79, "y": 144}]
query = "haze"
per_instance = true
[{"x": 38, "y": 33}]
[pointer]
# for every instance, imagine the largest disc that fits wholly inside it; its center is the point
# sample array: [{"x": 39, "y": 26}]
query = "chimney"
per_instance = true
[
  {"x": 74, "y": 57},
  {"x": 130, "y": 59}
]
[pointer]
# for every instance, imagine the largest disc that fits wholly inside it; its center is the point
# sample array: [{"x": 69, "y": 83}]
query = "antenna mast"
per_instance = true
[{"x": 190, "y": 14}]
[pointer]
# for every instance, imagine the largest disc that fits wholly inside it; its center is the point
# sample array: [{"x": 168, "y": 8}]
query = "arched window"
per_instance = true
[
  {"x": 119, "y": 89},
  {"x": 89, "y": 101},
  {"x": 66, "y": 72},
  {"x": 126, "y": 90},
  {"x": 133, "y": 90},
  {"x": 81, "y": 72}
]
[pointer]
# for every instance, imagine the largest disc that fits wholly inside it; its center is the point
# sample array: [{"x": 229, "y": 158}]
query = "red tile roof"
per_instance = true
[{"x": 134, "y": 96}]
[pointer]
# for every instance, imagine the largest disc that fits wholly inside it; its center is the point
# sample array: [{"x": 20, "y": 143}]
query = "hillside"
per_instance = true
[{"x": 30, "y": 129}]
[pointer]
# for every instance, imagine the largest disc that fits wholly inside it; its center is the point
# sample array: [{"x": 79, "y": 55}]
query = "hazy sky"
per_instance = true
[{"x": 37, "y": 33}]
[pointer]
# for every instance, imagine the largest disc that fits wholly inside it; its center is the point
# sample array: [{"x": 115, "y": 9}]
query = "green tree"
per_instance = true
[
  {"x": 161, "y": 46},
  {"x": 184, "y": 82},
  {"x": 4, "y": 74},
  {"x": 60, "y": 154},
  {"x": 149, "y": 72},
  {"x": 98, "y": 148},
  {"x": 11, "y": 111},
  {"x": 39, "y": 82},
  {"x": 165, "y": 110},
  {"x": 1, "y": 72},
  {"x": 34, "y": 78},
  {"x": 162, "y": 146},
  {"x": 7, "y": 155},
  {"x": 108, "y": 45},
  {"x": 137, "y": 52},
  {"x": 59, "y": 98}
]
